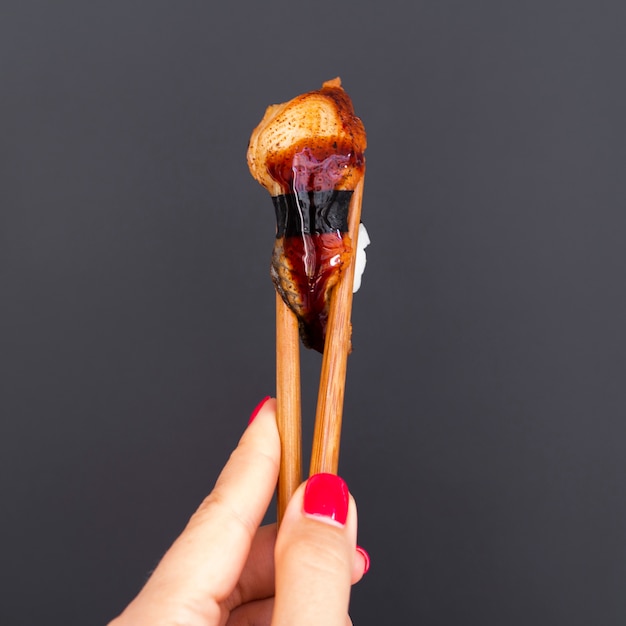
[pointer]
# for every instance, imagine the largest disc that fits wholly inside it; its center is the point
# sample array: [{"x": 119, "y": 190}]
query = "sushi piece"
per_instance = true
[{"x": 308, "y": 154}]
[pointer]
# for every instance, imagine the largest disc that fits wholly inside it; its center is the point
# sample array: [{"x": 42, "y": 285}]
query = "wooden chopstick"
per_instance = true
[
  {"x": 328, "y": 417},
  {"x": 288, "y": 409}
]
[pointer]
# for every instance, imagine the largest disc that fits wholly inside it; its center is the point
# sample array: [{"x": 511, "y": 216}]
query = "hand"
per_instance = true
[{"x": 225, "y": 570}]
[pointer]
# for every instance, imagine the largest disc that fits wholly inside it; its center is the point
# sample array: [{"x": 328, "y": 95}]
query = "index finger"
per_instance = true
[{"x": 203, "y": 566}]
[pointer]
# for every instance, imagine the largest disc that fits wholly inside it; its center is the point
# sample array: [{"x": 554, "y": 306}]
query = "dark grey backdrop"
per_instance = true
[{"x": 484, "y": 427}]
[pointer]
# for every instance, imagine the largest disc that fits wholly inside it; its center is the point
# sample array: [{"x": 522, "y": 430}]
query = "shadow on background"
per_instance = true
[{"x": 484, "y": 423}]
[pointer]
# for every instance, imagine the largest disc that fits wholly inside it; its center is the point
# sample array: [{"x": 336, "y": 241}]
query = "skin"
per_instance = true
[{"x": 226, "y": 570}]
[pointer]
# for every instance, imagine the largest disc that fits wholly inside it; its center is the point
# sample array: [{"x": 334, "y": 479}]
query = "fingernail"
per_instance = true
[
  {"x": 327, "y": 496},
  {"x": 366, "y": 557},
  {"x": 258, "y": 408}
]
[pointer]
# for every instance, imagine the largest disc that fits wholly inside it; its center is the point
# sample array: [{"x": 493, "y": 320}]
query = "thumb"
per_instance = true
[{"x": 315, "y": 554}]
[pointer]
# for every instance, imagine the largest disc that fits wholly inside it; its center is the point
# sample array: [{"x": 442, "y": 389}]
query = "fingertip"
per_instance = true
[
  {"x": 327, "y": 498},
  {"x": 257, "y": 409},
  {"x": 265, "y": 414},
  {"x": 261, "y": 434},
  {"x": 365, "y": 557},
  {"x": 361, "y": 564}
]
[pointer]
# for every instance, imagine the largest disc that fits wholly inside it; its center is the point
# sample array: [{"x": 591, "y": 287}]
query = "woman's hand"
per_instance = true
[{"x": 226, "y": 570}]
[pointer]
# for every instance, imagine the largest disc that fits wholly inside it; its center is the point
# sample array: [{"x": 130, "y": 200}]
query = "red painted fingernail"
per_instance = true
[
  {"x": 258, "y": 408},
  {"x": 326, "y": 495},
  {"x": 366, "y": 557}
]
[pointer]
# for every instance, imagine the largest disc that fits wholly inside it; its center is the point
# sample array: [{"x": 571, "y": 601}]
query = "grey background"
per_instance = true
[{"x": 484, "y": 427}]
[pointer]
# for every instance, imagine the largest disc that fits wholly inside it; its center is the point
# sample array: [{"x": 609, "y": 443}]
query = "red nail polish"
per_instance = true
[
  {"x": 326, "y": 495},
  {"x": 366, "y": 557},
  {"x": 258, "y": 408}
]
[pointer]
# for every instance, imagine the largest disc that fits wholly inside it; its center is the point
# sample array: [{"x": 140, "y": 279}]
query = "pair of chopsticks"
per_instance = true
[{"x": 328, "y": 417}]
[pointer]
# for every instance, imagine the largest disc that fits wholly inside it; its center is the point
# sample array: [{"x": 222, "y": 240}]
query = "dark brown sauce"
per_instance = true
[
  {"x": 304, "y": 270},
  {"x": 313, "y": 165},
  {"x": 314, "y": 258}
]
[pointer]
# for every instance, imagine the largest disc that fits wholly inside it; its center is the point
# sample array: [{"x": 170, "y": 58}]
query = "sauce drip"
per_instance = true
[
  {"x": 312, "y": 245},
  {"x": 315, "y": 165},
  {"x": 304, "y": 270}
]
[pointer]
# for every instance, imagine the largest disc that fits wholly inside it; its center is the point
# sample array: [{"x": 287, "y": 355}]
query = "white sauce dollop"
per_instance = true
[{"x": 361, "y": 259}]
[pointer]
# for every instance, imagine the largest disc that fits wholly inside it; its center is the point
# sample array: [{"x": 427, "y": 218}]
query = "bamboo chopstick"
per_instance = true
[
  {"x": 328, "y": 418},
  {"x": 288, "y": 403}
]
